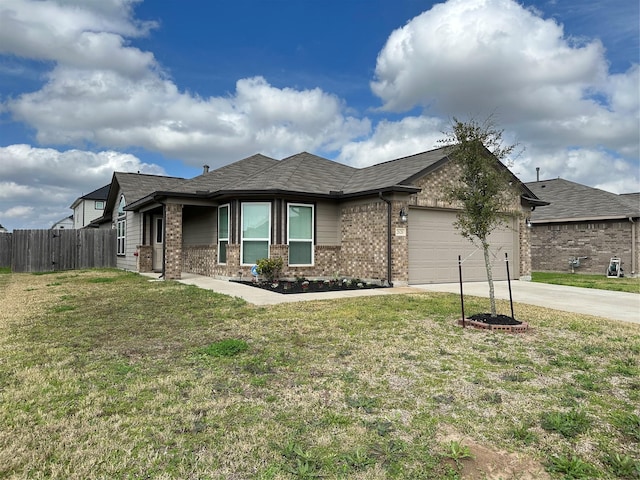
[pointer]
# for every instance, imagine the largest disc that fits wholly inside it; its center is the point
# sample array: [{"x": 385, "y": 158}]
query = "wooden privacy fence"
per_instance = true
[
  {"x": 51, "y": 250},
  {"x": 5, "y": 249}
]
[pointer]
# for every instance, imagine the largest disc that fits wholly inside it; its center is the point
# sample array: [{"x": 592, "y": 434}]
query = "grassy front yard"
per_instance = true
[
  {"x": 624, "y": 284},
  {"x": 104, "y": 374}
]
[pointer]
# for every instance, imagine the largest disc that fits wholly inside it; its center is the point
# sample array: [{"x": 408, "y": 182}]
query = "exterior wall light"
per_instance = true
[
  {"x": 528, "y": 222},
  {"x": 404, "y": 216}
]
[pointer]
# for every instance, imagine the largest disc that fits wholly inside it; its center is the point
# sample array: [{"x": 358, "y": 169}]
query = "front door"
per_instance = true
[{"x": 158, "y": 241}]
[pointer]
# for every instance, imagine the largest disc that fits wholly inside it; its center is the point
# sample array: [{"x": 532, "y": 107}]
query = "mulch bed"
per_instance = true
[
  {"x": 504, "y": 323},
  {"x": 309, "y": 286},
  {"x": 497, "y": 320}
]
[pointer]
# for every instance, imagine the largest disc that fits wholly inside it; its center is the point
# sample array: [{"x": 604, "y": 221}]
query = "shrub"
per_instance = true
[{"x": 271, "y": 268}]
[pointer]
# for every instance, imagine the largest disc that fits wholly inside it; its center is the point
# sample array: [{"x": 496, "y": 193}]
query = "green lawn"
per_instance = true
[
  {"x": 105, "y": 374},
  {"x": 624, "y": 284}
]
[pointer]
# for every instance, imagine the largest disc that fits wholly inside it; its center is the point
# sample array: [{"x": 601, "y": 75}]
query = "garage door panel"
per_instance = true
[{"x": 434, "y": 246}]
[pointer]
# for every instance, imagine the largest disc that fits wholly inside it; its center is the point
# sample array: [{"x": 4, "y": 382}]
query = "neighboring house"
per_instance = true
[
  {"x": 66, "y": 222},
  {"x": 388, "y": 222},
  {"x": 582, "y": 221},
  {"x": 89, "y": 207},
  {"x": 3, "y": 230}
]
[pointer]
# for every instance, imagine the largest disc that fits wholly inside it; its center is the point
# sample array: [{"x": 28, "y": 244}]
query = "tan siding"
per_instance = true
[
  {"x": 133, "y": 239},
  {"x": 200, "y": 226},
  {"x": 327, "y": 224}
]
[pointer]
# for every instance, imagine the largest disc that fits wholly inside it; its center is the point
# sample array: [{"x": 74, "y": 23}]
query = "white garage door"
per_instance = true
[{"x": 434, "y": 246}]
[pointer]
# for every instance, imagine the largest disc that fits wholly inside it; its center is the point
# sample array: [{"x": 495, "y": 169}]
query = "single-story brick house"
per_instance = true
[
  {"x": 388, "y": 222},
  {"x": 582, "y": 221}
]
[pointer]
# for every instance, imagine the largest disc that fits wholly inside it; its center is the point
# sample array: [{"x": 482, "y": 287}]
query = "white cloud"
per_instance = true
[
  {"x": 394, "y": 140},
  {"x": 105, "y": 108},
  {"x": 17, "y": 212},
  {"x": 41, "y": 183},
  {"x": 465, "y": 57},
  {"x": 107, "y": 93},
  {"x": 594, "y": 167}
]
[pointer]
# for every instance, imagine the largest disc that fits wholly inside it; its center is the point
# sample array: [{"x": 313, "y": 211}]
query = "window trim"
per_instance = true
[
  {"x": 311, "y": 241},
  {"x": 224, "y": 239},
  {"x": 121, "y": 229},
  {"x": 242, "y": 239}
]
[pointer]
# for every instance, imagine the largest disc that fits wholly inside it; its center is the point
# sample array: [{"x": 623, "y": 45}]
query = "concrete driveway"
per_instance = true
[{"x": 601, "y": 303}]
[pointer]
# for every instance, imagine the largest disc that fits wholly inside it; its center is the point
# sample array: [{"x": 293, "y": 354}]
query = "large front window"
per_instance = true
[
  {"x": 256, "y": 232},
  {"x": 223, "y": 233},
  {"x": 300, "y": 234}
]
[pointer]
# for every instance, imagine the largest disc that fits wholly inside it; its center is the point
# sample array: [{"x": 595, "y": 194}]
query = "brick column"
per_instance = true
[
  {"x": 173, "y": 242},
  {"x": 399, "y": 244},
  {"x": 145, "y": 255},
  {"x": 524, "y": 243}
]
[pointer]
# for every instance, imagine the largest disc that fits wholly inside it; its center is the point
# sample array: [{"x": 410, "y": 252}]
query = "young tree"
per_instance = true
[{"x": 483, "y": 190}]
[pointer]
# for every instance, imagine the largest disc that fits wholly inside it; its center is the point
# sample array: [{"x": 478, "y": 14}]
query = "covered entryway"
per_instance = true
[{"x": 434, "y": 246}]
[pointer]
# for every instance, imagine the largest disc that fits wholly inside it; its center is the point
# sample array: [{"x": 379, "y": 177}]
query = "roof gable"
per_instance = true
[{"x": 400, "y": 171}]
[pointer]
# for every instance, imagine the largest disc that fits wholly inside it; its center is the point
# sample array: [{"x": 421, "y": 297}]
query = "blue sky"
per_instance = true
[{"x": 92, "y": 86}]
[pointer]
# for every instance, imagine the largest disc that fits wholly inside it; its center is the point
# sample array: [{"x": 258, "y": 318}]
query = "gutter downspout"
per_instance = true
[
  {"x": 164, "y": 240},
  {"x": 633, "y": 246},
  {"x": 388, "y": 202}
]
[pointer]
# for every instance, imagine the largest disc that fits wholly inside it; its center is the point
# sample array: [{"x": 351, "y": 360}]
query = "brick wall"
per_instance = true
[
  {"x": 200, "y": 259},
  {"x": 145, "y": 258},
  {"x": 553, "y": 244},
  {"x": 173, "y": 242},
  {"x": 364, "y": 237}
]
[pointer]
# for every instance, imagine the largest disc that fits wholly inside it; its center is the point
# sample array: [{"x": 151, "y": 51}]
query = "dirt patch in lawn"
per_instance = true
[{"x": 490, "y": 464}]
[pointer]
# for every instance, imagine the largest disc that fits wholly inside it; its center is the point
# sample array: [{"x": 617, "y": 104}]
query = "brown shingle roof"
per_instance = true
[{"x": 573, "y": 201}]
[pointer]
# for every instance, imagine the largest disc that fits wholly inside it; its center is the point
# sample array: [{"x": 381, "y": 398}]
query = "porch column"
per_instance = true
[
  {"x": 173, "y": 242},
  {"x": 524, "y": 244}
]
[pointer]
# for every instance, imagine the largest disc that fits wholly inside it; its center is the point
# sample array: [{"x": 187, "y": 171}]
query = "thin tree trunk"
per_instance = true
[{"x": 487, "y": 264}]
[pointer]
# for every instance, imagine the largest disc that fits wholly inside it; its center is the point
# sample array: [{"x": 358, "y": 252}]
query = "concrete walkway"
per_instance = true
[
  {"x": 602, "y": 303},
  {"x": 259, "y": 296}
]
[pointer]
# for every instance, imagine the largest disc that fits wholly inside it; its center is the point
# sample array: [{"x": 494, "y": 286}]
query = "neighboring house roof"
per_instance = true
[
  {"x": 98, "y": 194},
  {"x": 631, "y": 199},
  {"x": 570, "y": 201},
  {"x": 3, "y": 229},
  {"x": 303, "y": 173},
  {"x": 135, "y": 186},
  {"x": 62, "y": 221}
]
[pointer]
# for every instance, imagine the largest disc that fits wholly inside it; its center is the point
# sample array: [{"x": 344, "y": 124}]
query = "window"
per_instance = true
[
  {"x": 159, "y": 231},
  {"x": 121, "y": 206},
  {"x": 121, "y": 235},
  {"x": 121, "y": 227},
  {"x": 223, "y": 233},
  {"x": 300, "y": 234},
  {"x": 256, "y": 232},
  {"x": 98, "y": 205}
]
